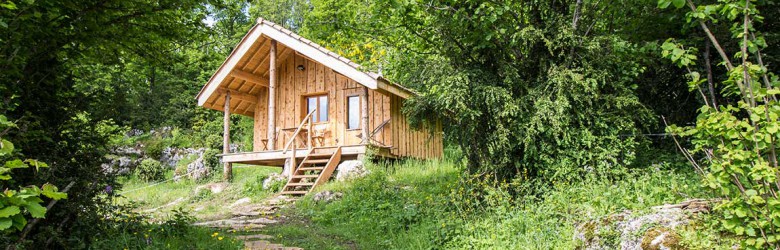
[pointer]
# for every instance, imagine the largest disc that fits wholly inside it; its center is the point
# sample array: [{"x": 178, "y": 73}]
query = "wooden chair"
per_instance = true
[
  {"x": 265, "y": 141},
  {"x": 318, "y": 134}
]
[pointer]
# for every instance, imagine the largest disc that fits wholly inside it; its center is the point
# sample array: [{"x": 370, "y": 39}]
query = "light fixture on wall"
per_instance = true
[{"x": 301, "y": 68}]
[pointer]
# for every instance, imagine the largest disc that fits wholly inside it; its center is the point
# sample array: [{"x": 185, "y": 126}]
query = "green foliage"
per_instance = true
[
  {"x": 520, "y": 88},
  {"x": 738, "y": 139},
  {"x": 130, "y": 230},
  {"x": 420, "y": 204},
  {"x": 19, "y": 204},
  {"x": 150, "y": 170},
  {"x": 212, "y": 161}
]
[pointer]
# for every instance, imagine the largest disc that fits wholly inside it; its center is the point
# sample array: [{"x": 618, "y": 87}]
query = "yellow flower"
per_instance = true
[{"x": 220, "y": 238}]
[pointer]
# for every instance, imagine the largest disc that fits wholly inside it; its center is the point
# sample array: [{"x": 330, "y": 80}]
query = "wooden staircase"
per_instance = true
[{"x": 315, "y": 169}]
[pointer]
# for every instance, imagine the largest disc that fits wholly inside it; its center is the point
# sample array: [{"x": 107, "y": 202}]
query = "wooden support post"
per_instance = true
[
  {"x": 228, "y": 167},
  {"x": 364, "y": 115},
  {"x": 293, "y": 165},
  {"x": 308, "y": 133},
  {"x": 272, "y": 98}
]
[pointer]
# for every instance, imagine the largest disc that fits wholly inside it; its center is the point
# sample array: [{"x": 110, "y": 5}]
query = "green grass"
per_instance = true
[
  {"x": 158, "y": 200},
  {"x": 425, "y": 204}
]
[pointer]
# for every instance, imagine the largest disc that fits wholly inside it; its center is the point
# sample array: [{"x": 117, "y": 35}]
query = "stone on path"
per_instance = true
[{"x": 215, "y": 188}]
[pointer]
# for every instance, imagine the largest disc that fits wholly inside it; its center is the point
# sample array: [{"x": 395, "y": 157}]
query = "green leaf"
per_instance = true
[
  {"x": 750, "y": 231},
  {"x": 5, "y": 223},
  {"x": 15, "y": 164},
  {"x": 663, "y": 4},
  {"x": 36, "y": 163},
  {"x": 6, "y": 147},
  {"x": 50, "y": 191},
  {"x": 678, "y": 3},
  {"x": 9, "y": 211},
  {"x": 36, "y": 210},
  {"x": 19, "y": 221}
]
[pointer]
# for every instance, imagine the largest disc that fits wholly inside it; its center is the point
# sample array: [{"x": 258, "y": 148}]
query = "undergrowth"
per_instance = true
[{"x": 433, "y": 205}]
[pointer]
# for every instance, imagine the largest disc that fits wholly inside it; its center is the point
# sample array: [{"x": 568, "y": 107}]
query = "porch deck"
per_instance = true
[{"x": 277, "y": 157}]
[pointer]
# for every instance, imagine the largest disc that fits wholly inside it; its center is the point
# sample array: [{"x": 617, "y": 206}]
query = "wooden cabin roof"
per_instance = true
[{"x": 245, "y": 72}]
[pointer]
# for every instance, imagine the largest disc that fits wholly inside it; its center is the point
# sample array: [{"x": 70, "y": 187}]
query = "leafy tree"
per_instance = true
[
  {"x": 71, "y": 71},
  {"x": 527, "y": 88},
  {"x": 19, "y": 204},
  {"x": 737, "y": 135}
]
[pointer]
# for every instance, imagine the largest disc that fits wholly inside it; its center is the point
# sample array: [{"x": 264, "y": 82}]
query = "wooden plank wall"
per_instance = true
[
  {"x": 413, "y": 143},
  {"x": 317, "y": 79}
]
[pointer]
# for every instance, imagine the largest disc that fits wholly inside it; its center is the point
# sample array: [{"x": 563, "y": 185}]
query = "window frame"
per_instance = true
[
  {"x": 316, "y": 116},
  {"x": 359, "y": 111}
]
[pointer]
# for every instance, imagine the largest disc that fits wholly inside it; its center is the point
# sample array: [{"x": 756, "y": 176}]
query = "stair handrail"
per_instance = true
[
  {"x": 298, "y": 130},
  {"x": 376, "y": 130}
]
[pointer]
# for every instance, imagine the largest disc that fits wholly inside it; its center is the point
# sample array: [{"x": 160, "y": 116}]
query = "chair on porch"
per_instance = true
[
  {"x": 265, "y": 141},
  {"x": 318, "y": 134}
]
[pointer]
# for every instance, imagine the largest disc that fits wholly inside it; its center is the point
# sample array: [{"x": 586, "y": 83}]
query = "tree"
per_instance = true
[{"x": 736, "y": 136}]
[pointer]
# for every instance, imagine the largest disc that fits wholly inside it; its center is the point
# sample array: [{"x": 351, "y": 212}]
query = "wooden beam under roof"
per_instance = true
[
  {"x": 238, "y": 95},
  {"x": 249, "y": 77}
]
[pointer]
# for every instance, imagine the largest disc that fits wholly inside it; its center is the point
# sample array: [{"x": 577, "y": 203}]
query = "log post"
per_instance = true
[
  {"x": 272, "y": 98},
  {"x": 364, "y": 115},
  {"x": 308, "y": 133},
  {"x": 227, "y": 169}
]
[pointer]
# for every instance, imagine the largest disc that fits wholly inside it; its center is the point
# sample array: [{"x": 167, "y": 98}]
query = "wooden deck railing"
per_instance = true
[{"x": 306, "y": 121}]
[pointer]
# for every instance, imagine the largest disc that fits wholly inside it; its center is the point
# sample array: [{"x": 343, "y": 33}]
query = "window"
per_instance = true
[
  {"x": 353, "y": 112},
  {"x": 319, "y": 102}
]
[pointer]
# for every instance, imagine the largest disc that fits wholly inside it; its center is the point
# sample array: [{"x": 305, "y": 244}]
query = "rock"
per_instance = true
[
  {"x": 171, "y": 156},
  {"x": 197, "y": 170},
  {"x": 215, "y": 188},
  {"x": 629, "y": 230},
  {"x": 134, "y": 132},
  {"x": 351, "y": 169},
  {"x": 327, "y": 196},
  {"x": 240, "y": 201},
  {"x": 274, "y": 181}
]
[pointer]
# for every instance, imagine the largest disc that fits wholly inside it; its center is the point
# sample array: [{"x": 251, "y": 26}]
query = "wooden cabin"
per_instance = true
[{"x": 310, "y": 106}]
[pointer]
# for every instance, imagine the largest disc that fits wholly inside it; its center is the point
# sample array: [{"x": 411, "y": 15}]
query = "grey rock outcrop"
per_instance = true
[
  {"x": 171, "y": 156},
  {"x": 633, "y": 231}
]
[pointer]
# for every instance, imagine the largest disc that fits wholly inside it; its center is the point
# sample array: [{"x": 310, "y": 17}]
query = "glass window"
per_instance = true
[
  {"x": 321, "y": 104},
  {"x": 353, "y": 112},
  {"x": 323, "y": 108}
]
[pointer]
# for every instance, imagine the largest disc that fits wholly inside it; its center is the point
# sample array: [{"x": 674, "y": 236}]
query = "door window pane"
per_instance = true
[
  {"x": 311, "y": 104},
  {"x": 353, "y": 112},
  {"x": 323, "y": 109}
]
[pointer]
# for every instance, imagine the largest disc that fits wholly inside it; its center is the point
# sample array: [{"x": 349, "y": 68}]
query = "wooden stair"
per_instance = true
[{"x": 314, "y": 170}]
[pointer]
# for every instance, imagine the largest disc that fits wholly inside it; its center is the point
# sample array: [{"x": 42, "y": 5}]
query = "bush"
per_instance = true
[
  {"x": 154, "y": 148},
  {"x": 211, "y": 161},
  {"x": 254, "y": 187},
  {"x": 150, "y": 170}
]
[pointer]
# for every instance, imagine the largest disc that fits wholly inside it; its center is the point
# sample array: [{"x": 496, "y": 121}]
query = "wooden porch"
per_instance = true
[{"x": 278, "y": 157}]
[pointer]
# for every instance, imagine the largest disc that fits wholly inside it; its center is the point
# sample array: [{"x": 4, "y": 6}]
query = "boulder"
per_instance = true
[
  {"x": 631, "y": 230},
  {"x": 327, "y": 196},
  {"x": 351, "y": 169}
]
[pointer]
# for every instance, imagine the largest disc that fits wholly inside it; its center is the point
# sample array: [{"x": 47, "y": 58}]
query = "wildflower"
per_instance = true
[{"x": 220, "y": 238}]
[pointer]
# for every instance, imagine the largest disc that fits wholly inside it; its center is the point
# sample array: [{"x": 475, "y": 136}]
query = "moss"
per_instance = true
[{"x": 671, "y": 240}]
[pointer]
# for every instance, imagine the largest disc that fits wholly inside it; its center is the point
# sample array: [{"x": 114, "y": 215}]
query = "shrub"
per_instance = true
[
  {"x": 211, "y": 161},
  {"x": 154, "y": 148},
  {"x": 254, "y": 187},
  {"x": 17, "y": 206},
  {"x": 150, "y": 170},
  {"x": 737, "y": 140}
]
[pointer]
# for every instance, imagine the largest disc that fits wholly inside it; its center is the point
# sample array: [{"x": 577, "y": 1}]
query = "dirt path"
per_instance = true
[{"x": 251, "y": 218}]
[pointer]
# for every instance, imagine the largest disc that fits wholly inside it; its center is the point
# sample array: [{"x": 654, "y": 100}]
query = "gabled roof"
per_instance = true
[{"x": 243, "y": 66}]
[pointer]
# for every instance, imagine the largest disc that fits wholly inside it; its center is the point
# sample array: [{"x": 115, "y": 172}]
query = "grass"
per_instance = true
[
  {"x": 159, "y": 200},
  {"x": 428, "y": 204}
]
